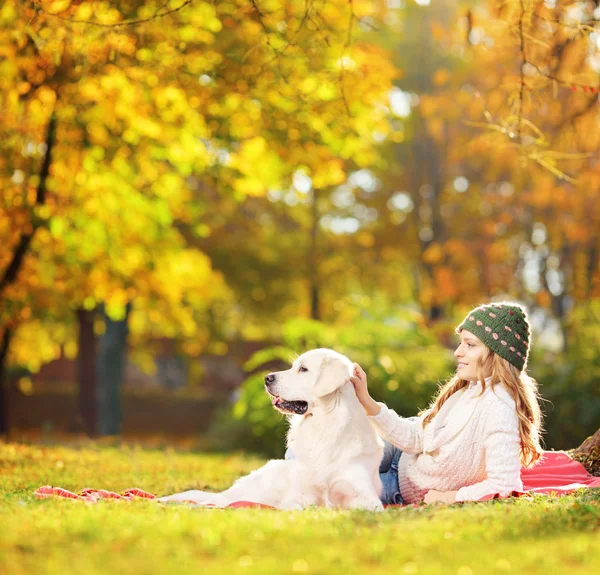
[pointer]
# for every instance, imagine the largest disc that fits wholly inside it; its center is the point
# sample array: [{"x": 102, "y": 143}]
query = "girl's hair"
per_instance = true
[{"x": 521, "y": 387}]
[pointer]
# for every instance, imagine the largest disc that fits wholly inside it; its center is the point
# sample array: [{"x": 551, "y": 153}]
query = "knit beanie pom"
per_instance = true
[{"x": 503, "y": 327}]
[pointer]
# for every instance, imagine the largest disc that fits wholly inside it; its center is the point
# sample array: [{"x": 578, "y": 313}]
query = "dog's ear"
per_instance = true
[{"x": 334, "y": 373}]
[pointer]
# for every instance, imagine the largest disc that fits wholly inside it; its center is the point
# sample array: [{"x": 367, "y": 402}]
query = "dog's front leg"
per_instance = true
[
  {"x": 301, "y": 492},
  {"x": 354, "y": 491}
]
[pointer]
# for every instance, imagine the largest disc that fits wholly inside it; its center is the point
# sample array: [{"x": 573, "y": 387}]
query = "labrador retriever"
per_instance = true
[{"x": 336, "y": 450}]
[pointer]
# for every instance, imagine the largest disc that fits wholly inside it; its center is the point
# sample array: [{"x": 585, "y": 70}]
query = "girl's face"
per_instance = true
[{"x": 470, "y": 352}]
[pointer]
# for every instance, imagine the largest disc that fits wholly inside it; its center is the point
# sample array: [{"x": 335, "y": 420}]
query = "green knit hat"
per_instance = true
[{"x": 503, "y": 327}]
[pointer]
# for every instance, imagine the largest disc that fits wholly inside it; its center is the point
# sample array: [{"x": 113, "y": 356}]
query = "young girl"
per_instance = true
[{"x": 483, "y": 425}]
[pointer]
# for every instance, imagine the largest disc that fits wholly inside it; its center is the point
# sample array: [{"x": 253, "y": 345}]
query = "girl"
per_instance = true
[{"x": 483, "y": 425}]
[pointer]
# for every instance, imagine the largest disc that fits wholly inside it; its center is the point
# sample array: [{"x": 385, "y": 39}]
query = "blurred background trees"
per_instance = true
[{"x": 287, "y": 175}]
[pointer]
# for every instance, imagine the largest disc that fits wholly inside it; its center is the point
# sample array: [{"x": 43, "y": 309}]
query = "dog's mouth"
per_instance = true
[{"x": 297, "y": 406}]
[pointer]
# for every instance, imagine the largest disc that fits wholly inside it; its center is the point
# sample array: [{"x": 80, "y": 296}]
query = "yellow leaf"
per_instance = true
[
  {"x": 441, "y": 77},
  {"x": 58, "y": 6},
  {"x": 433, "y": 254}
]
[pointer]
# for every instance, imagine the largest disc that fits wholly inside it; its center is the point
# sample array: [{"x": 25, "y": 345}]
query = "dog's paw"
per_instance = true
[
  {"x": 197, "y": 497},
  {"x": 291, "y": 507},
  {"x": 365, "y": 505},
  {"x": 296, "y": 504}
]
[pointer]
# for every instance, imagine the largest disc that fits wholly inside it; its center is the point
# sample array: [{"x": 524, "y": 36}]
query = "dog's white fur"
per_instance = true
[{"x": 337, "y": 452}]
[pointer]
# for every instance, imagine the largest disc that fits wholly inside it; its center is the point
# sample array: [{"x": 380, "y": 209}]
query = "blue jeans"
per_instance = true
[{"x": 388, "y": 473}]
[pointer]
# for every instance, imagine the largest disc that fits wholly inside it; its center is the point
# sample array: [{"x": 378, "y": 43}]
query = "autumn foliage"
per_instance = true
[{"x": 223, "y": 167}]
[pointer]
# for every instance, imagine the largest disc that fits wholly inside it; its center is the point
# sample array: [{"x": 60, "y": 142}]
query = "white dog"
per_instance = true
[{"x": 337, "y": 452}]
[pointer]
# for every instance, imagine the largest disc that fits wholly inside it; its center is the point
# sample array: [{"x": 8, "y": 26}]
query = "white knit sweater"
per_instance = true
[{"x": 472, "y": 446}]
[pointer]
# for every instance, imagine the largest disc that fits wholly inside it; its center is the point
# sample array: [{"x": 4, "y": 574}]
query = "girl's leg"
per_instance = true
[
  {"x": 390, "y": 492},
  {"x": 389, "y": 451},
  {"x": 388, "y": 473}
]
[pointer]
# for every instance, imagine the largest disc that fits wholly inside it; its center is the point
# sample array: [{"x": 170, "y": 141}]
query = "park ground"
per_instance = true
[{"x": 544, "y": 535}]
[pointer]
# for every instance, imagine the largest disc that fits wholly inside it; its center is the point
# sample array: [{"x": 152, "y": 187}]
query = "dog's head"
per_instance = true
[{"x": 313, "y": 375}]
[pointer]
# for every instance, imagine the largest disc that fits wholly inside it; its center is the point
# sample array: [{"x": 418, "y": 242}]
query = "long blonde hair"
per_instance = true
[{"x": 521, "y": 387}]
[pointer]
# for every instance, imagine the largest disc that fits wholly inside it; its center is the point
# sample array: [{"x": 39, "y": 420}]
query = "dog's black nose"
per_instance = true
[{"x": 269, "y": 379}]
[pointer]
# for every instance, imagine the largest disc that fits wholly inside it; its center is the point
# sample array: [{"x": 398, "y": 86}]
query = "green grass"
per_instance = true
[{"x": 541, "y": 535}]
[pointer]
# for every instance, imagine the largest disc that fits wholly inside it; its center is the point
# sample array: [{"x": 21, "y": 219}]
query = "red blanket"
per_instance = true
[{"x": 556, "y": 473}]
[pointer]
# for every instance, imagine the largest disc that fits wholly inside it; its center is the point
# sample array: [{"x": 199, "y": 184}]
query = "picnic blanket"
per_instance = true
[{"x": 556, "y": 474}]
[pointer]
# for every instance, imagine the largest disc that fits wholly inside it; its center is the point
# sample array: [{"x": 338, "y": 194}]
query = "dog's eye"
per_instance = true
[{"x": 302, "y": 368}]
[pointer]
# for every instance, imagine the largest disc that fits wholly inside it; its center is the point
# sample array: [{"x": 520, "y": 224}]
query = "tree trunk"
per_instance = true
[
  {"x": 14, "y": 266},
  {"x": 111, "y": 371},
  {"x": 588, "y": 446},
  {"x": 86, "y": 371},
  {"x": 588, "y": 454},
  {"x": 4, "y": 387},
  {"x": 313, "y": 263}
]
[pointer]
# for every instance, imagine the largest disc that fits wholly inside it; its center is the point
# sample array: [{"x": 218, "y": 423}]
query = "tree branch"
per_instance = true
[
  {"x": 156, "y": 15},
  {"x": 11, "y": 272},
  {"x": 523, "y": 63},
  {"x": 347, "y": 45}
]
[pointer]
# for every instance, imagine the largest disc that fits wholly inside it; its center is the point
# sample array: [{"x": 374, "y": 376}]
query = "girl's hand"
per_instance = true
[
  {"x": 433, "y": 496},
  {"x": 359, "y": 381}
]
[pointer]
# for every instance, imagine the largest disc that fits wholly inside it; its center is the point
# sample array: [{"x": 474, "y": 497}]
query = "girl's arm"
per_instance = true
[
  {"x": 403, "y": 433},
  {"x": 502, "y": 455}
]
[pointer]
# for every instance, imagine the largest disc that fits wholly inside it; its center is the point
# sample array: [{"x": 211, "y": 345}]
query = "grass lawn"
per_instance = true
[{"x": 540, "y": 535}]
